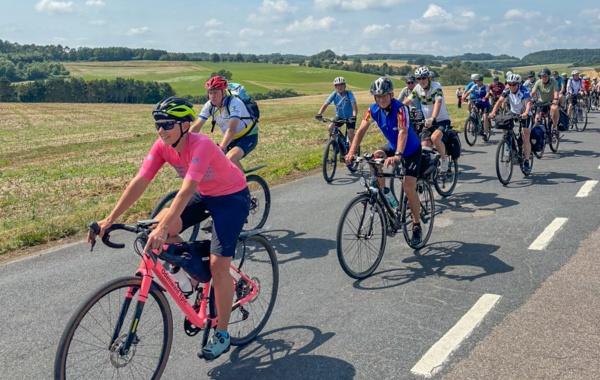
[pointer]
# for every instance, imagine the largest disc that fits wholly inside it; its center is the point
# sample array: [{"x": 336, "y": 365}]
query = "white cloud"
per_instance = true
[
  {"x": 191, "y": 28},
  {"x": 309, "y": 24},
  {"x": 213, "y": 22},
  {"x": 399, "y": 45},
  {"x": 282, "y": 41},
  {"x": 138, "y": 31},
  {"x": 521, "y": 13},
  {"x": 356, "y": 5},
  {"x": 436, "y": 18},
  {"x": 49, "y": 6},
  {"x": 98, "y": 22},
  {"x": 95, "y": 3},
  {"x": 375, "y": 29},
  {"x": 251, "y": 32},
  {"x": 272, "y": 10},
  {"x": 531, "y": 42},
  {"x": 217, "y": 33}
]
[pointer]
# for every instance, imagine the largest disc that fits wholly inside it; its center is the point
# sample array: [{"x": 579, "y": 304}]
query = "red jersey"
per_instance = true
[{"x": 496, "y": 89}]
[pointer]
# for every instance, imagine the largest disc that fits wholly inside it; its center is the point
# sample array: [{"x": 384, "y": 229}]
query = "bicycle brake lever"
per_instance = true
[{"x": 92, "y": 233}]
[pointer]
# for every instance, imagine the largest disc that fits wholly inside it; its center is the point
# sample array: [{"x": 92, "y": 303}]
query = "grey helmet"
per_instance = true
[{"x": 382, "y": 86}]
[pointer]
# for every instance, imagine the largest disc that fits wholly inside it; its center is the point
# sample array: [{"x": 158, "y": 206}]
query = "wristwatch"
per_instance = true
[{"x": 398, "y": 154}]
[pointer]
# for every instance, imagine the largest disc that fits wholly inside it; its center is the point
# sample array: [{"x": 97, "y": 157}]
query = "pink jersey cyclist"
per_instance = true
[{"x": 201, "y": 160}]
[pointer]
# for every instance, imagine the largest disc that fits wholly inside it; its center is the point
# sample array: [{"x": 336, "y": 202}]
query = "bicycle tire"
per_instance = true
[
  {"x": 554, "y": 140},
  {"x": 107, "y": 350},
  {"x": 470, "y": 132},
  {"x": 426, "y": 215},
  {"x": 504, "y": 160},
  {"x": 573, "y": 118},
  {"x": 259, "y": 195},
  {"x": 257, "y": 254},
  {"x": 585, "y": 122},
  {"x": 190, "y": 234},
  {"x": 440, "y": 181},
  {"x": 367, "y": 252},
  {"x": 540, "y": 154},
  {"x": 330, "y": 160}
]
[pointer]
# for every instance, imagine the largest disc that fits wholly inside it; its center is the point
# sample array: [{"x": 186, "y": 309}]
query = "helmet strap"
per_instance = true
[{"x": 181, "y": 133}]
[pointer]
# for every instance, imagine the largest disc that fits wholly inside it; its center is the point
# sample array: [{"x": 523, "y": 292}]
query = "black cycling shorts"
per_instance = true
[
  {"x": 439, "y": 126},
  {"x": 412, "y": 163},
  {"x": 340, "y": 124}
]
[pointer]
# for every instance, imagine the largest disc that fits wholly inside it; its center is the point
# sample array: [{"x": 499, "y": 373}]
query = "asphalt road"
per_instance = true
[{"x": 327, "y": 326}]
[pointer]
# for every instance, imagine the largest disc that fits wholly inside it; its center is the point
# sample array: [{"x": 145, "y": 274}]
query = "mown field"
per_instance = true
[{"x": 63, "y": 165}]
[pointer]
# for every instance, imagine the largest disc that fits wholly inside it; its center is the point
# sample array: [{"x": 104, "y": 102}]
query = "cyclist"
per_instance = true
[
  {"x": 547, "y": 88},
  {"x": 586, "y": 83},
  {"x": 529, "y": 83},
  {"x": 240, "y": 130},
  {"x": 223, "y": 193},
  {"x": 345, "y": 108},
  {"x": 434, "y": 110},
  {"x": 574, "y": 88},
  {"x": 496, "y": 88},
  {"x": 519, "y": 103},
  {"x": 479, "y": 93},
  {"x": 595, "y": 89},
  {"x": 403, "y": 144},
  {"x": 405, "y": 93},
  {"x": 559, "y": 81}
]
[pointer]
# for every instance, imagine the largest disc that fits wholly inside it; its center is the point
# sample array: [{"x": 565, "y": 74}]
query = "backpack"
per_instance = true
[
  {"x": 537, "y": 138},
  {"x": 563, "y": 121},
  {"x": 453, "y": 146},
  {"x": 237, "y": 90}
]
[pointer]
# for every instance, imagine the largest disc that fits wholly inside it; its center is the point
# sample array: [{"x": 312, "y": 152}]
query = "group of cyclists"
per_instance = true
[{"x": 213, "y": 181}]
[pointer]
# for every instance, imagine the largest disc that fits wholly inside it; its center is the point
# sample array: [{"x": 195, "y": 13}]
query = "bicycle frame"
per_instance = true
[{"x": 150, "y": 267}]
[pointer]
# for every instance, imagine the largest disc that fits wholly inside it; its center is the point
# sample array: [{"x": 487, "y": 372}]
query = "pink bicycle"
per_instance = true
[{"x": 125, "y": 328}]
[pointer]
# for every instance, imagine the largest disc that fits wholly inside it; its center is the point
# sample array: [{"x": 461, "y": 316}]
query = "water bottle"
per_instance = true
[
  {"x": 390, "y": 197},
  {"x": 182, "y": 280}
]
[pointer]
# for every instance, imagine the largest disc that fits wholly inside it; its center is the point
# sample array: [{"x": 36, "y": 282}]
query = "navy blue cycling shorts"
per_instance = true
[{"x": 245, "y": 143}]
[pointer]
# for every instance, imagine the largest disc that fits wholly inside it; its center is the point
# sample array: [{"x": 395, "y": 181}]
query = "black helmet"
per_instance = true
[
  {"x": 382, "y": 86},
  {"x": 545, "y": 71},
  {"x": 530, "y": 73},
  {"x": 495, "y": 78},
  {"x": 174, "y": 108},
  {"x": 555, "y": 72}
]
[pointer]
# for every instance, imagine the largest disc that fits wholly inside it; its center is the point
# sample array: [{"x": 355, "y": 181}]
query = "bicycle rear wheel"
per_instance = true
[
  {"x": 582, "y": 120},
  {"x": 554, "y": 140},
  {"x": 504, "y": 162},
  {"x": 361, "y": 237},
  {"x": 426, "y": 214},
  {"x": 190, "y": 234},
  {"x": 260, "y": 202},
  {"x": 470, "y": 132},
  {"x": 330, "y": 156},
  {"x": 445, "y": 183},
  {"x": 256, "y": 258},
  {"x": 95, "y": 334}
]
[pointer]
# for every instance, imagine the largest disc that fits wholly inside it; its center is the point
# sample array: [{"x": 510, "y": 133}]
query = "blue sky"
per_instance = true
[{"x": 307, "y": 27}]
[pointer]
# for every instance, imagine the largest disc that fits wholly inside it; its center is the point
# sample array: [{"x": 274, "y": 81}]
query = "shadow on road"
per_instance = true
[
  {"x": 291, "y": 245},
  {"x": 284, "y": 354},
  {"x": 468, "y": 173},
  {"x": 453, "y": 259},
  {"x": 473, "y": 201},
  {"x": 547, "y": 178}
]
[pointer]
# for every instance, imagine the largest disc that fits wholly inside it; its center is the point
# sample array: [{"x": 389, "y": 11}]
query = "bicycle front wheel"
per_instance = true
[
  {"x": 445, "y": 183},
  {"x": 554, "y": 140},
  {"x": 92, "y": 342},
  {"x": 504, "y": 162},
  {"x": 190, "y": 234},
  {"x": 256, "y": 258},
  {"x": 582, "y": 120},
  {"x": 361, "y": 237},
  {"x": 330, "y": 156},
  {"x": 260, "y": 202},
  {"x": 426, "y": 214},
  {"x": 470, "y": 132}
]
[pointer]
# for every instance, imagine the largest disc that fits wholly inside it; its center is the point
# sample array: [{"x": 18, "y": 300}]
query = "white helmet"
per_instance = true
[
  {"x": 513, "y": 78},
  {"x": 585, "y": 77},
  {"x": 382, "y": 86},
  {"x": 422, "y": 72},
  {"x": 574, "y": 72},
  {"x": 473, "y": 76},
  {"x": 339, "y": 80}
]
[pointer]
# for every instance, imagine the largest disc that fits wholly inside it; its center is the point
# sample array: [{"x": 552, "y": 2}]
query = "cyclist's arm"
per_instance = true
[
  {"x": 360, "y": 133},
  {"x": 181, "y": 200},
  {"x": 229, "y": 133},
  {"x": 323, "y": 108},
  {"x": 354, "y": 109},
  {"x": 497, "y": 105},
  {"x": 203, "y": 116},
  {"x": 527, "y": 106},
  {"x": 195, "y": 128}
]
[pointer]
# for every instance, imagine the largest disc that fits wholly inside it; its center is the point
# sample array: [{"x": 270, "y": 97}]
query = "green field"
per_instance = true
[{"x": 188, "y": 78}]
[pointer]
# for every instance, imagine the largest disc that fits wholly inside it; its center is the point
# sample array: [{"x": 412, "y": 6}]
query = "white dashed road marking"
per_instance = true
[
  {"x": 433, "y": 359},
  {"x": 586, "y": 189},
  {"x": 542, "y": 241}
]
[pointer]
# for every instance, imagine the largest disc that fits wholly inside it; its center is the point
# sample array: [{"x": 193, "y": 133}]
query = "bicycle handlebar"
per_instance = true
[
  {"x": 341, "y": 121},
  {"x": 141, "y": 228}
]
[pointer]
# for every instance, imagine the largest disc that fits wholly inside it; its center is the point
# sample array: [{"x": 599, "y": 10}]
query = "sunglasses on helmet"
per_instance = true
[{"x": 166, "y": 125}]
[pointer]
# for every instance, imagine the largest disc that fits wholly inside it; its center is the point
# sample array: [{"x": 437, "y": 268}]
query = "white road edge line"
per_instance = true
[
  {"x": 433, "y": 359},
  {"x": 586, "y": 189},
  {"x": 542, "y": 241}
]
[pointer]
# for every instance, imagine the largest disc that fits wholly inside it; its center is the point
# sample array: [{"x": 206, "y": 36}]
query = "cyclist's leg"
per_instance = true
[
  {"x": 240, "y": 148},
  {"x": 409, "y": 183},
  {"x": 194, "y": 213},
  {"x": 437, "y": 139},
  {"x": 526, "y": 134},
  {"x": 554, "y": 114},
  {"x": 384, "y": 151},
  {"x": 229, "y": 213},
  {"x": 350, "y": 128},
  {"x": 486, "y": 110}
]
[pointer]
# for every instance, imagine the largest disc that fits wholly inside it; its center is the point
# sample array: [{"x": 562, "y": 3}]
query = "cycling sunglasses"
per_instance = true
[{"x": 166, "y": 125}]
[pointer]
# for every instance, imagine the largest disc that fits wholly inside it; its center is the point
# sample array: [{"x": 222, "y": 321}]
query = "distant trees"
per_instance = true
[{"x": 222, "y": 73}]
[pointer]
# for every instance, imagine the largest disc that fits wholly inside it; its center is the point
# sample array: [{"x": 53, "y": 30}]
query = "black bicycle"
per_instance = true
[
  {"x": 551, "y": 134},
  {"x": 260, "y": 205},
  {"x": 578, "y": 117},
  {"x": 370, "y": 218},
  {"x": 336, "y": 148},
  {"x": 510, "y": 148},
  {"x": 474, "y": 126}
]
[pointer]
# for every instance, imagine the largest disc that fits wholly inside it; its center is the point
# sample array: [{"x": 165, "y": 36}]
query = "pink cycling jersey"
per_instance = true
[{"x": 200, "y": 160}]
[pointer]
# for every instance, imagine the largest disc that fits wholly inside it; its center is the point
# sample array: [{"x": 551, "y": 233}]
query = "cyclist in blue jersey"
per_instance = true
[
  {"x": 480, "y": 93},
  {"x": 403, "y": 144},
  {"x": 560, "y": 81},
  {"x": 345, "y": 107}
]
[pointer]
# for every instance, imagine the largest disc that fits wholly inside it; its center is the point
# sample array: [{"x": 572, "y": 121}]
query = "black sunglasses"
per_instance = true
[
  {"x": 166, "y": 125},
  {"x": 513, "y": 84},
  {"x": 410, "y": 82}
]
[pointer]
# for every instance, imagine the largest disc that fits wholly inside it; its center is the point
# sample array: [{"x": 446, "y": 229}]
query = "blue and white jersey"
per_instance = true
[
  {"x": 471, "y": 84},
  {"x": 478, "y": 93},
  {"x": 517, "y": 101},
  {"x": 573, "y": 86},
  {"x": 342, "y": 103}
]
